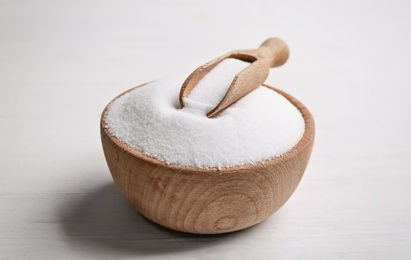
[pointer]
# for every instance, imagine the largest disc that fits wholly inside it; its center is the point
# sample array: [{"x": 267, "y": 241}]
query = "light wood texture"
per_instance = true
[
  {"x": 207, "y": 201},
  {"x": 63, "y": 61},
  {"x": 272, "y": 53}
]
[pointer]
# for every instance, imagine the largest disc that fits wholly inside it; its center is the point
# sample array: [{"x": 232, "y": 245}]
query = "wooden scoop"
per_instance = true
[{"x": 272, "y": 53}]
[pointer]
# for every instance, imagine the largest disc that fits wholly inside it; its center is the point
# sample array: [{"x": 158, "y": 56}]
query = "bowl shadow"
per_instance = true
[{"x": 104, "y": 219}]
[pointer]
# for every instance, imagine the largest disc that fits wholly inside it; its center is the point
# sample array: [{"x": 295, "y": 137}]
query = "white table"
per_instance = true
[{"x": 61, "y": 62}]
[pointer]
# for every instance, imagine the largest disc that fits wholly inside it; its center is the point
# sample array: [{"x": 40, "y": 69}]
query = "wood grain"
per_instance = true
[
  {"x": 207, "y": 201},
  {"x": 272, "y": 53}
]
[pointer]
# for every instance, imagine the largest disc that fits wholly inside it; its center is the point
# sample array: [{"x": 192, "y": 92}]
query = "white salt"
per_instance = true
[
  {"x": 212, "y": 88},
  {"x": 260, "y": 126}
]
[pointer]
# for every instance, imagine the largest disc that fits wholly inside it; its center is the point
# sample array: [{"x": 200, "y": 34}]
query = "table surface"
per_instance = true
[{"x": 63, "y": 61}]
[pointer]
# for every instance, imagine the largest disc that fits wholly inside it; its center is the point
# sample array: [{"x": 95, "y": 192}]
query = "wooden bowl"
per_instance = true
[{"x": 207, "y": 201}]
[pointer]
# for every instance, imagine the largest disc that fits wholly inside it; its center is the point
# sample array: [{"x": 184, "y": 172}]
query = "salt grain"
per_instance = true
[{"x": 260, "y": 126}]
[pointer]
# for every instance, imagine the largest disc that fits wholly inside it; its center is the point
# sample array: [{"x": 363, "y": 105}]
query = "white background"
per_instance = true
[{"x": 61, "y": 62}]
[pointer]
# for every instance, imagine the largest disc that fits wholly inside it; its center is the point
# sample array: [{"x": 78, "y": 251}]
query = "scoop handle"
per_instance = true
[{"x": 274, "y": 49}]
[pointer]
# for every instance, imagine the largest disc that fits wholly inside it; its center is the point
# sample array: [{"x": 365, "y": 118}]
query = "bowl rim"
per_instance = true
[{"x": 303, "y": 143}]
